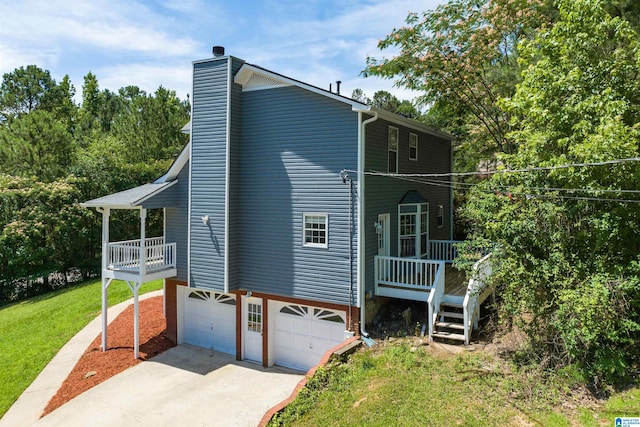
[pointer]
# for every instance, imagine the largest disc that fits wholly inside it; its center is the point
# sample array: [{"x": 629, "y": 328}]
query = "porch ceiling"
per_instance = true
[{"x": 129, "y": 199}]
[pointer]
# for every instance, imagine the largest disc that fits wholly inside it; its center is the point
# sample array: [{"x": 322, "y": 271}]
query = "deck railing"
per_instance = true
[
  {"x": 408, "y": 278},
  {"x": 443, "y": 250},
  {"x": 127, "y": 255}
]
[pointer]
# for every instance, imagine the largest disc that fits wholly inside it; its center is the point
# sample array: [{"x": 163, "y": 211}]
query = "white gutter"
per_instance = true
[{"x": 361, "y": 218}]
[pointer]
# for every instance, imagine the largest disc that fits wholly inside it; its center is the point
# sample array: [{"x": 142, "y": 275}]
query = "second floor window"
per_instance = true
[
  {"x": 413, "y": 146},
  {"x": 392, "y": 144}
]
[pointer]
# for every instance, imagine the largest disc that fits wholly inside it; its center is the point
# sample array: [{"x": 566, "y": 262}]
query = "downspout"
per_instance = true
[
  {"x": 345, "y": 176},
  {"x": 361, "y": 218}
]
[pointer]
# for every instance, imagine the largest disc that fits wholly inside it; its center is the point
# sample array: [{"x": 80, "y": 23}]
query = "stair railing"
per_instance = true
[
  {"x": 435, "y": 297},
  {"x": 470, "y": 305}
]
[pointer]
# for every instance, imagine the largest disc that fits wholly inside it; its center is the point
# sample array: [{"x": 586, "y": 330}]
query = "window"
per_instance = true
[
  {"x": 413, "y": 230},
  {"x": 316, "y": 230},
  {"x": 254, "y": 315},
  {"x": 413, "y": 146},
  {"x": 440, "y": 216},
  {"x": 392, "y": 144},
  {"x": 408, "y": 235}
]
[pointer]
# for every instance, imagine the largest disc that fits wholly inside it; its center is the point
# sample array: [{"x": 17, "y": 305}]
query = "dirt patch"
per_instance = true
[{"x": 96, "y": 366}]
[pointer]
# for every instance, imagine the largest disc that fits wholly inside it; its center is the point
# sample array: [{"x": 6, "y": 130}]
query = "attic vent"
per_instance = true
[{"x": 218, "y": 51}]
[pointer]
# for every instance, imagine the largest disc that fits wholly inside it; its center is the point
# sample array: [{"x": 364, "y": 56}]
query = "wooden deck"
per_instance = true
[{"x": 455, "y": 281}]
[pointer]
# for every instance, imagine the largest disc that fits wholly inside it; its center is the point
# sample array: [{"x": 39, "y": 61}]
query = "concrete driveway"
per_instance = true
[{"x": 184, "y": 386}]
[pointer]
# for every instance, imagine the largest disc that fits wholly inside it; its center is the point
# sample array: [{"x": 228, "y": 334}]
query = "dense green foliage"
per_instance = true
[
  {"x": 529, "y": 83},
  {"x": 570, "y": 252},
  {"x": 56, "y": 154},
  {"x": 33, "y": 331}
]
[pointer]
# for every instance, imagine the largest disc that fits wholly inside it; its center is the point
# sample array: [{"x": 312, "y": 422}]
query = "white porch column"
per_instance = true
[
  {"x": 143, "y": 249},
  {"x": 105, "y": 282}
]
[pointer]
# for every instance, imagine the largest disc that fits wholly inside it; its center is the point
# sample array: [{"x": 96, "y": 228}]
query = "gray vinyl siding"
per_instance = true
[
  {"x": 166, "y": 198},
  {"x": 382, "y": 194},
  {"x": 176, "y": 222},
  {"x": 208, "y": 173},
  {"x": 294, "y": 145},
  {"x": 235, "y": 153}
]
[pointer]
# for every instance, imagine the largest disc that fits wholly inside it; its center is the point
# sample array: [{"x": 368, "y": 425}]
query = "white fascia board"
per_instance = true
[
  {"x": 245, "y": 73},
  {"x": 128, "y": 203},
  {"x": 92, "y": 205},
  {"x": 177, "y": 165}
]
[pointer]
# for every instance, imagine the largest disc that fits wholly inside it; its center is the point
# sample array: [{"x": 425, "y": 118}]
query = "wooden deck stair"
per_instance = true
[{"x": 450, "y": 322}]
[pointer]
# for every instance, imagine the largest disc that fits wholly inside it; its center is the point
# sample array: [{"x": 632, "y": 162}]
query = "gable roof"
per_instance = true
[
  {"x": 129, "y": 199},
  {"x": 177, "y": 164},
  {"x": 254, "y": 77},
  {"x": 412, "y": 197}
]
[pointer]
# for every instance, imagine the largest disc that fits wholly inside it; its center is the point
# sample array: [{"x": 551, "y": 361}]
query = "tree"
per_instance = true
[
  {"x": 463, "y": 57},
  {"x": 42, "y": 231},
  {"x": 387, "y": 101},
  {"x": 568, "y": 237},
  {"x": 36, "y": 144},
  {"x": 62, "y": 104},
  {"x": 359, "y": 95},
  {"x": 24, "y": 90},
  {"x": 150, "y": 124}
]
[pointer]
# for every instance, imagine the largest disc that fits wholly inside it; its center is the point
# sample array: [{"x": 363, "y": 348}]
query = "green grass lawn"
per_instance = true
[
  {"x": 32, "y": 331},
  {"x": 397, "y": 386}
]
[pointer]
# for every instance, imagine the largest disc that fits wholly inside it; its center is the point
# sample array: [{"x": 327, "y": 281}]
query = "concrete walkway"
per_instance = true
[{"x": 30, "y": 405}]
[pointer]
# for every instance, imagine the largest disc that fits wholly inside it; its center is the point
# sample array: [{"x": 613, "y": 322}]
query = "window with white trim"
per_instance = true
[
  {"x": 392, "y": 148},
  {"x": 413, "y": 230},
  {"x": 316, "y": 230},
  {"x": 254, "y": 317},
  {"x": 413, "y": 146}
]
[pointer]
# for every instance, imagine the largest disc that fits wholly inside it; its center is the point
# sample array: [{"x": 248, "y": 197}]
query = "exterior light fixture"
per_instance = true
[
  {"x": 378, "y": 227},
  {"x": 205, "y": 220}
]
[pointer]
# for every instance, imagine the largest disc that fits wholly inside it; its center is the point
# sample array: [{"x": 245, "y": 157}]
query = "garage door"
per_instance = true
[
  {"x": 303, "y": 334},
  {"x": 210, "y": 320}
]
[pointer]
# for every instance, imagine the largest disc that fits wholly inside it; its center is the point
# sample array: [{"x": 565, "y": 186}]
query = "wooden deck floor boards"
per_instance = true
[{"x": 455, "y": 282}]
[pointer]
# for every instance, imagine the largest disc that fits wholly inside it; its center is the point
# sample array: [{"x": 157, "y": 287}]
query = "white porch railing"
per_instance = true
[
  {"x": 476, "y": 290},
  {"x": 407, "y": 278},
  {"x": 128, "y": 255},
  {"x": 443, "y": 250}
]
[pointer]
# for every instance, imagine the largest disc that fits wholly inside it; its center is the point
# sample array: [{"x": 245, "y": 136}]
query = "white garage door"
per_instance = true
[
  {"x": 210, "y": 320},
  {"x": 303, "y": 334}
]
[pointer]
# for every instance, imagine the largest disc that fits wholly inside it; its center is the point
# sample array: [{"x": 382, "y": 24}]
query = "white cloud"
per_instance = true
[
  {"x": 134, "y": 42},
  {"x": 147, "y": 77}
]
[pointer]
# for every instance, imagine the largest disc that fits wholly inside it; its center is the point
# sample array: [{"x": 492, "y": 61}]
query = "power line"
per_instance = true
[
  {"x": 451, "y": 184},
  {"x": 501, "y": 171}
]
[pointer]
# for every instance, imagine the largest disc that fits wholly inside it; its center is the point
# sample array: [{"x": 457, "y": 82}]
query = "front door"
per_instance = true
[
  {"x": 253, "y": 330},
  {"x": 384, "y": 234}
]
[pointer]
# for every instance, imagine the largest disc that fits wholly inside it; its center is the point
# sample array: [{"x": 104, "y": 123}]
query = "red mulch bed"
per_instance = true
[{"x": 96, "y": 366}]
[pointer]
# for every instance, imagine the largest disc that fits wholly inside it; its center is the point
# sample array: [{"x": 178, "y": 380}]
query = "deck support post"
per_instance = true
[
  {"x": 143, "y": 249},
  {"x": 105, "y": 282},
  {"x": 135, "y": 288}
]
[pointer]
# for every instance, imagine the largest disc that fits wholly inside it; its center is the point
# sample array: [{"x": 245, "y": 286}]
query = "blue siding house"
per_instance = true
[{"x": 286, "y": 215}]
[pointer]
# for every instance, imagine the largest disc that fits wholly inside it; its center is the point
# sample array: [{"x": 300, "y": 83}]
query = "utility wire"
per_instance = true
[
  {"x": 459, "y": 185},
  {"x": 501, "y": 171}
]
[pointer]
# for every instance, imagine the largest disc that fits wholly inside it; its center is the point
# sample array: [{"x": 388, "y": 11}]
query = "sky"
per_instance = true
[{"x": 151, "y": 43}]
